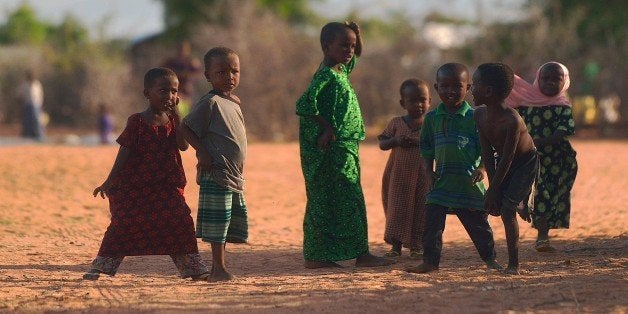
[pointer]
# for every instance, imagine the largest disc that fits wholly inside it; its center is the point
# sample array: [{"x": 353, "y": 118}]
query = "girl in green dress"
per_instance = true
[
  {"x": 547, "y": 112},
  {"x": 331, "y": 127}
]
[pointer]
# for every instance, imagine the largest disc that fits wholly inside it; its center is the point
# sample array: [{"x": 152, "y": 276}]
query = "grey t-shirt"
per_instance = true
[{"x": 219, "y": 125}]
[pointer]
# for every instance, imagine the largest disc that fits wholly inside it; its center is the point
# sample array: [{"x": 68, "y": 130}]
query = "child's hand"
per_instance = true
[
  {"x": 524, "y": 213},
  {"x": 324, "y": 139},
  {"x": 174, "y": 110},
  {"x": 103, "y": 189},
  {"x": 477, "y": 176},
  {"x": 431, "y": 178},
  {"x": 352, "y": 25},
  {"x": 492, "y": 203},
  {"x": 408, "y": 141}
]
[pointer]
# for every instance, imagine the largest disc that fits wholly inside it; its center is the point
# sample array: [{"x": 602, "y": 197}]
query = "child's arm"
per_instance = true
[
  {"x": 429, "y": 171},
  {"x": 513, "y": 131},
  {"x": 488, "y": 157},
  {"x": 121, "y": 159},
  {"x": 386, "y": 143},
  {"x": 358, "y": 38},
  {"x": 182, "y": 144},
  {"x": 204, "y": 158},
  {"x": 328, "y": 135},
  {"x": 492, "y": 198}
]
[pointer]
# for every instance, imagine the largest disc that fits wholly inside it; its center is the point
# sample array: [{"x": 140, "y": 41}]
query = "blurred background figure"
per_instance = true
[
  {"x": 187, "y": 68},
  {"x": 105, "y": 123},
  {"x": 610, "y": 114},
  {"x": 31, "y": 97}
]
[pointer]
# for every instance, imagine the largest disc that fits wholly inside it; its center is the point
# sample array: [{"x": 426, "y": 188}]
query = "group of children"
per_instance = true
[
  {"x": 438, "y": 159},
  {"x": 435, "y": 168}
]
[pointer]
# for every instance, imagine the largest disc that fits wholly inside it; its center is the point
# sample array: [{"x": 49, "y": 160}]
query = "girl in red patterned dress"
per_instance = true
[
  {"x": 149, "y": 215},
  {"x": 404, "y": 185}
]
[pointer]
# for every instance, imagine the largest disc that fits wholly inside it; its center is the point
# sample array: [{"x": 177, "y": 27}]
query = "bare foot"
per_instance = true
[
  {"x": 422, "y": 269},
  {"x": 201, "y": 277},
  {"x": 493, "y": 265},
  {"x": 220, "y": 275},
  {"x": 544, "y": 246},
  {"x": 511, "y": 270},
  {"x": 317, "y": 264},
  {"x": 369, "y": 260},
  {"x": 93, "y": 274}
]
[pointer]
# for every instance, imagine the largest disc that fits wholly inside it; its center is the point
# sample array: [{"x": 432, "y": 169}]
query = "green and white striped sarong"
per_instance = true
[{"x": 222, "y": 215}]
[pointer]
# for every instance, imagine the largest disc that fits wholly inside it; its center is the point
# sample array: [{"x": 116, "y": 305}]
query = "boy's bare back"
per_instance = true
[{"x": 504, "y": 129}]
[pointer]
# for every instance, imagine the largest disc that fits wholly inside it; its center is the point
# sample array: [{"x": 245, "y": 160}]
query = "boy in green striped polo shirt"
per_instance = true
[{"x": 450, "y": 147}]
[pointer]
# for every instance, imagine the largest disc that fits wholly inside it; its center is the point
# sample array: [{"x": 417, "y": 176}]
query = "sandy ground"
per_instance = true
[{"x": 51, "y": 227}]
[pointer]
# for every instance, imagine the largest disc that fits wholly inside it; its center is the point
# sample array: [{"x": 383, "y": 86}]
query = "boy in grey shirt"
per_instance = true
[{"x": 215, "y": 128}]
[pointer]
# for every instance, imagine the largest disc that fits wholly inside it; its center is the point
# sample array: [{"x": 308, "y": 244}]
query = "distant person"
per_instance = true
[
  {"x": 503, "y": 134},
  {"x": 31, "y": 96},
  {"x": 450, "y": 138},
  {"x": 331, "y": 128},
  {"x": 105, "y": 123},
  {"x": 404, "y": 184},
  {"x": 187, "y": 69},
  {"x": 215, "y": 128},
  {"x": 546, "y": 109},
  {"x": 149, "y": 215}
]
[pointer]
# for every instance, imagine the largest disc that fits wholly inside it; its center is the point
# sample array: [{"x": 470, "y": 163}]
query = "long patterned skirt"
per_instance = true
[{"x": 334, "y": 227}]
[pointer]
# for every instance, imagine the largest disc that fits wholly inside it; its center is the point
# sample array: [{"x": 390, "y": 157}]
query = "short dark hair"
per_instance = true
[
  {"x": 498, "y": 75},
  {"x": 451, "y": 69},
  {"x": 153, "y": 74},
  {"x": 412, "y": 82},
  {"x": 217, "y": 52},
  {"x": 330, "y": 31}
]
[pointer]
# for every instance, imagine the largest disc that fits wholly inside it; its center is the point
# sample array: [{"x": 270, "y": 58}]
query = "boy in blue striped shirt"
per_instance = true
[{"x": 449, "y": 138}]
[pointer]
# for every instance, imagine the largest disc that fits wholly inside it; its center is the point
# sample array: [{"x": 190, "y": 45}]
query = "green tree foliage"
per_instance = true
[
  {"x": 23, "y": 27},
  {"x": 181, "y": 15},
  {"x": 602, "y": 21},
  {"x": 294, "y": 11},
  {"x": 69, "y": 34}
]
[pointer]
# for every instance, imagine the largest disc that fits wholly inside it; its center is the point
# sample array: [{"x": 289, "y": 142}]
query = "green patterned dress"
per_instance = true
[
  {"x": 558, "y": 164},
  {"x": 334, "y": 227}
]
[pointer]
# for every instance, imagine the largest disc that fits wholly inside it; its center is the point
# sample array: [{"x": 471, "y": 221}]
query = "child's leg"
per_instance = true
[
  {"x": 511, "y": 226},
  {"x": 104, "y": 265},
  {"x": 219, "y": 269},
  {"x": 214, "y": 216},
  {"x": 395, "y": 251},
  {"x": 542, "y": 240},
  {"x": 476, "y": 224},
  {"x": 435, "y": 217},
  {"x": 191, "y": 265}
]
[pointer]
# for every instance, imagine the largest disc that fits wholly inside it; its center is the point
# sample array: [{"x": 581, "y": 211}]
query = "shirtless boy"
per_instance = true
[{"x": 508, "y": 152}]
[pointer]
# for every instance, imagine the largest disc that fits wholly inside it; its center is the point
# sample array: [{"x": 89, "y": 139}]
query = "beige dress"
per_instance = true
[{"x": 404, "y": 187}]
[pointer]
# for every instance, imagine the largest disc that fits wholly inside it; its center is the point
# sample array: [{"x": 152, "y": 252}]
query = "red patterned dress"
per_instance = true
[
  {"x": 404, "y": 188},
  {"x": 149, "y": 215}
]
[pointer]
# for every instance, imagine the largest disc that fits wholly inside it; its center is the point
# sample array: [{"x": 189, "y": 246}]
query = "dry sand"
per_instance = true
[{"x": 51, "y": 227}]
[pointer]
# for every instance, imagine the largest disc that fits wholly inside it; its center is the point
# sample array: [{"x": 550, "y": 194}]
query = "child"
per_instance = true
[
  {"x": 105, "y": 123},
  {"x": 449, "y": 137},
  {"x": 215, "y": 128},
  {"x": 31, "y": 95},
  {"x": 404, "y": 183},
  {"x": 545, "y": 108},
  {"x": 149, "y": 215},
  {"x": 334, "y": 227},
  {"x": 503, "y": 133}
]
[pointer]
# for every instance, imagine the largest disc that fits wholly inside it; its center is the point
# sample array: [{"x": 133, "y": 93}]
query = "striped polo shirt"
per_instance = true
[{"x": 452, "y": 140}]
